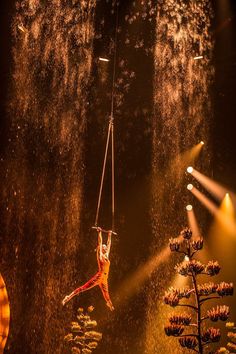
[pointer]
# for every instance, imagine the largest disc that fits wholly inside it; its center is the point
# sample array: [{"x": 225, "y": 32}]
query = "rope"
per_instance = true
[
  {"x": 113, "y": 176},
  {"x": 112, "y": 120},
  {"x": 114, "y": 64},
  {"x": 110, "y": 132},
  {"x": 103, "y": 174}
]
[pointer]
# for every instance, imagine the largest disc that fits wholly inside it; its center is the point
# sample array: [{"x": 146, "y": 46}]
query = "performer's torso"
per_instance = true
[{"x": 103, "y": 266}]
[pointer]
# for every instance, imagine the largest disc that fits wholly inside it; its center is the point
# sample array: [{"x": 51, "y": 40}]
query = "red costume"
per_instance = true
[{"x": 101, "y": 277}]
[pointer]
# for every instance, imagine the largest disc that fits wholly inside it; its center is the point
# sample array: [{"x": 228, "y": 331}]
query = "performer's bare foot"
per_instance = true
[
  {"x": 65, "y": 300},
  {"x": 111, "y": 307}
]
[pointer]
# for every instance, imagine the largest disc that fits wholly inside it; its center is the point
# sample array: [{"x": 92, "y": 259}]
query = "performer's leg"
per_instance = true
[
  {"x": 104, "y": 288},
  {"x": 89, "y": 285}
]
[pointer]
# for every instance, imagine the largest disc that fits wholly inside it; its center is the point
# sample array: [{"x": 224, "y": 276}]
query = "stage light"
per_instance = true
[
  {"x": 103, "y": 59},
  {"x": 202, "y": 142},
  {"x": 190, "y": 169},
  {"x": 184, "y": 159},
  {"x": 198, "y": 57},
  {"x": 216, "y": 189},
  {"x": 189, "y": 186},
  {"x": 189, "y": 207},
  {"x": 222, "y": 234},
  {"x": 22, "y": 28},
  {"x": 227, "y": 207}
]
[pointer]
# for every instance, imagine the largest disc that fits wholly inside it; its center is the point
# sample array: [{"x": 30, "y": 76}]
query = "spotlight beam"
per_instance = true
[
  {"x": 225, "y": 218},
  {"x": 211, "y": 186},
  {"x": 205, "y": 201},
  {"x": 226, "y": 215},
  {"x": 182, "y": 160},
  {"x": 133, "y": 283},
  {"x": 193, "y": 224}
]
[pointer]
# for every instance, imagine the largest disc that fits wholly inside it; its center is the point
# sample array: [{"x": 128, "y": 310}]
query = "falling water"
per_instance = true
[
  {"x": 42, "y": 191},
  {"x": 181, "y": 120}
]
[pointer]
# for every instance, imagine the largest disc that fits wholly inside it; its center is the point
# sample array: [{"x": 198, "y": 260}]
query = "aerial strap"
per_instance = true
[
  {"x": 110, "y": 128},
  {"x": 110, "y": 135}
]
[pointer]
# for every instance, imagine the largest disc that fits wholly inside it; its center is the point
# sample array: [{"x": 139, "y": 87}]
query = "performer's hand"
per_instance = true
[
  {"x": 65, "y": 300},
  {"x": 110, "y": 232},
  {"x": 97, "y": 228}
]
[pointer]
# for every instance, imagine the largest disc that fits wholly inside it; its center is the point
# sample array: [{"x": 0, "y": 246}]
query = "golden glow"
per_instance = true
[
  {"x": 188, "y": 157},
  {"x": 190, "y": 169},
  {"x": 227, "y": 206},
  {"x": 211, "y": 186},
  {"x": 4, "y": 315},
  {"x": 222, "y": 235},
  {"x": 189, "y": 186},
  {"x": 103, "y": 59},
  {"x": 174, "y": 132},
  {"x": 177, "y": 165},
  {"x": 179, "y": 281},
  {"x": 133, "y": 283},
  {"x": 202, "y": 142},
  {"x": 186, "y": 259},
  {"x": 198, "y": 57},
  {"x": 226, "y": 215},
  {"x": 212, "y": 207},
  {"x": 193, "y": 224},
  {"x": 189, "y": 207}
]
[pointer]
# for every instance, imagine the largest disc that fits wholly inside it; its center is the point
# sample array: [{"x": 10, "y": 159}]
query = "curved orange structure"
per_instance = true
[{"x": 4, "y": 315}]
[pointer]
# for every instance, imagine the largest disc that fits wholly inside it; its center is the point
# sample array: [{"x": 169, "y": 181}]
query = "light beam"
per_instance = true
[
  {"x": 217, "y": 190},
  {"x": 133, "y": 283},
  {"x": 193, "y": 224}
]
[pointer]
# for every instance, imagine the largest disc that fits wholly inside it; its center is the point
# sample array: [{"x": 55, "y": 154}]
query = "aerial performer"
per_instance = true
[
  {"x": 103, "y": 250},
  {"x": 101, "y": 277}
]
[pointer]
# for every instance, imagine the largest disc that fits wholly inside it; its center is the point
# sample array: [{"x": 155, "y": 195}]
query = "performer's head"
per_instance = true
[{"x": 104, "y": 248}]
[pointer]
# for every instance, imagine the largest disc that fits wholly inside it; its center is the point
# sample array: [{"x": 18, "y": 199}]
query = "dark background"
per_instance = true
[{"x": 224, "y": 93}]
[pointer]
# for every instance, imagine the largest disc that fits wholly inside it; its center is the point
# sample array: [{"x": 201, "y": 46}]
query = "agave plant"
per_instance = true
[
  {"x": 83, "y": 337},
  {"x": 198, "y": 337},
  {"x": 231, "y": 345}
]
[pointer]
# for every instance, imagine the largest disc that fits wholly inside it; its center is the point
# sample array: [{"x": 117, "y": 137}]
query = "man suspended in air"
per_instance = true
[{"x": 101, "y": 277}]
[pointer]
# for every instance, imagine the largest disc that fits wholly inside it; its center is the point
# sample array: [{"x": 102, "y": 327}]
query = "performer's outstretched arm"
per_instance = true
[
  {"x": 109, "y": 242},
  {"x": 100, "y": 243}
]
